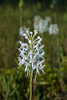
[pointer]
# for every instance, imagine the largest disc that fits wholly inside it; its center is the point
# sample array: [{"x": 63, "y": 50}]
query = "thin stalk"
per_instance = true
[
  {"x": 31, "y": 85},
  {"x": 58, "y": 58},
  {"x": 21, "y": 17},
  {"x": 20, "y": 7}
]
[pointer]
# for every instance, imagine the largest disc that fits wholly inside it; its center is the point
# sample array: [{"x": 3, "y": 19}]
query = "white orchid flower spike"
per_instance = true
[{"x": 31, "y": 53}]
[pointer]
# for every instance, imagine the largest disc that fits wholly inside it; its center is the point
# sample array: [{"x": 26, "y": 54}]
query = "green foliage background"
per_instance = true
[{"x": 14, "y": 83}]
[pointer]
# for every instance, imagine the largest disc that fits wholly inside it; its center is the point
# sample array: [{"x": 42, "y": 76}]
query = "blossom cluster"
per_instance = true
[
  {"x": 53, "y": 29},
  {"x": 22, "y": 30},
  {"x": 31, "y": 53},
  {"x": 41, "y": 25},
  {"x": 44, "y": 25}
]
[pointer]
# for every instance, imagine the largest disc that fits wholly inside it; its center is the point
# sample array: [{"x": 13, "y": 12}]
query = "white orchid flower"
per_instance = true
[{"x": 31, "y": 53}]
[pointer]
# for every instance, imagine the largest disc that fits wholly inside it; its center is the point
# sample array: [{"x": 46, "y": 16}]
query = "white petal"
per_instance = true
[{"x": 29, "y": 41}]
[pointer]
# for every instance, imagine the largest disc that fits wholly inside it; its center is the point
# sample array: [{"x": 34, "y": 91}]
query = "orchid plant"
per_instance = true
[
  {"x": 54, "y": 29},
  {"x": 31, "y": 55}
]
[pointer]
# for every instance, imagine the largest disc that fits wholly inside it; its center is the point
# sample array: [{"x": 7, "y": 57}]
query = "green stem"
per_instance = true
[
  {"x": 20, "y": 7},
  {"x": 31, "y": 85},
  {"x": 58, "y": 56},
  {"x": 21, "y": 17}
]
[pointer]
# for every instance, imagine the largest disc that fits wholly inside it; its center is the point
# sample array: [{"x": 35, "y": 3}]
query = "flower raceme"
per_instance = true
[
  {"x": 41, "y": 25},
  {"x": 53, "y": 29},
  {"x": 31, "y": 53}
]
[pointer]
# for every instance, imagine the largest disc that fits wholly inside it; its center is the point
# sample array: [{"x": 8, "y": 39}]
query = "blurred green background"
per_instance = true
[{"x": 14, "y": 83}]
